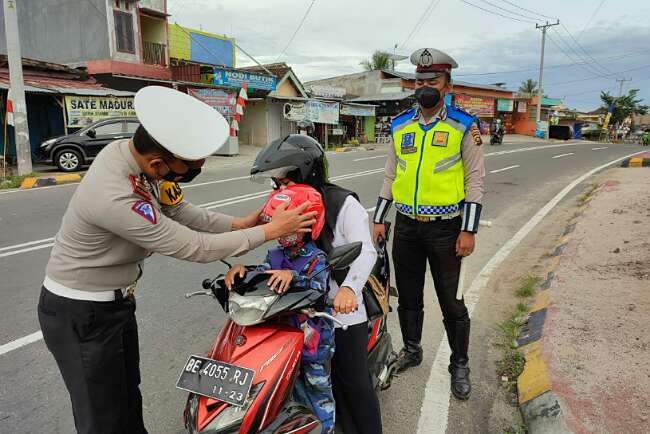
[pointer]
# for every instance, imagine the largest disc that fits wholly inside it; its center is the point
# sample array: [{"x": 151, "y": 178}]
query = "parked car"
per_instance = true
[{"x": 74, "y": 150}]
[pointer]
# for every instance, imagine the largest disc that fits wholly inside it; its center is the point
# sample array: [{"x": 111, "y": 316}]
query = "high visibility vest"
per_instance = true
[{"x": 429, "y": 177}]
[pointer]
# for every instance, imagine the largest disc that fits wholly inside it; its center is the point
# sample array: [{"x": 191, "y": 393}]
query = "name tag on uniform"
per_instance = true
[
  {"x": 408, "y": 143},
  {"x": 440, "y": 138}
]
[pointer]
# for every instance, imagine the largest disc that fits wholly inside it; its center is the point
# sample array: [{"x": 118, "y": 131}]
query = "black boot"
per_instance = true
[
  {"x": 410, "y": 323},
  {"x": 458, "y": 336}
]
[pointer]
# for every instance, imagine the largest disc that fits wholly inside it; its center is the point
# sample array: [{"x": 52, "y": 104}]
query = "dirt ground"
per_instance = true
[{"x": 596, "y": 336}]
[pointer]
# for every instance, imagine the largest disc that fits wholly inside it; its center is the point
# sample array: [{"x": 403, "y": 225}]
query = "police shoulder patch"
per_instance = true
[
  {"x": 170, "y": 193},
  {"x": 146, "y": 210},
  {"x": 140, "y": 186},
  {"x": 476, "y": 135}
]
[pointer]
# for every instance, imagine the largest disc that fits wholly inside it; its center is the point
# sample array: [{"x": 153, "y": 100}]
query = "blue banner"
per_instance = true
[{"x": 235, "y": 79}]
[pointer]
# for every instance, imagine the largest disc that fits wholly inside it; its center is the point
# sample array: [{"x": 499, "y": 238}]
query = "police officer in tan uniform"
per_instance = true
[
  {"x": 121, "y": 212},
  {"x": 434, "y": 175}
]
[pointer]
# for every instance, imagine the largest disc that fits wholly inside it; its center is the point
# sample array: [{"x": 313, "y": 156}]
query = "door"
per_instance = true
[{"x": 105, "y": 133}]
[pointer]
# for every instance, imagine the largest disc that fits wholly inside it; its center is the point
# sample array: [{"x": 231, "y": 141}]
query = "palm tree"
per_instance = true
[
  {"x": 529, "y": 86},
  {"x": 379, "y": 60}
]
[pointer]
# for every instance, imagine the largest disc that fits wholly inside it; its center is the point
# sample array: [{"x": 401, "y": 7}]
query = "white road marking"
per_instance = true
[
  {"x": 37, "y": 188},
  {"x": 37, "y": 336},
  {"x": 504, "y": 169},
  {"x": 531, "y": 148},
  {"x": 598, "y": 149},
  {"x": 47, "y": 242},
  {"x": 369, "y": 158},
  {"x": 25, "y": 340},
  {"x": 562, "y": 155},
  {"x": 434, "y": 412}
]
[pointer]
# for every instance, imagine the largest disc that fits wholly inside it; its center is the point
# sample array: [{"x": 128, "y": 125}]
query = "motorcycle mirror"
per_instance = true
[{"x": 341, "y": 257}]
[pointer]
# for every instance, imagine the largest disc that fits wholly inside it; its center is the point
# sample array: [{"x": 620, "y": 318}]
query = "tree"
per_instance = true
[
  {"x": 528, "y": 86},
  {"x": 626, "y": 105},
  {"x": 379, "y": 60}
]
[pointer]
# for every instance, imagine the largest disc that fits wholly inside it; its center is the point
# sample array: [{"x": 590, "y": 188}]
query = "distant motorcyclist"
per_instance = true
[
  {"x": 301, "y": 159},
  {"x": 497, "y": 133}
]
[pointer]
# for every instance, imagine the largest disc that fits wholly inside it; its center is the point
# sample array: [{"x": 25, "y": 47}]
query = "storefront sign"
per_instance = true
[
  {"x": 295, "y": 111},
  {"x": 504, "y": 105},
  {"x": 355, "y": 110},
  {"x": 478, "y": 105},
  {"x": 521, "y": 106},
  {"x": 235, "y": 79},
  {"x": 327, "y": 91},
  {"x": 84, "y": 110},
  {"x": 322, "y": 112},
  {"x": 222, "y": 101}
]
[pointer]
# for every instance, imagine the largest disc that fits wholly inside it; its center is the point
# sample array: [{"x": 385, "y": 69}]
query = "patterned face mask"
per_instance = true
[{"x": 292, "y": 241}]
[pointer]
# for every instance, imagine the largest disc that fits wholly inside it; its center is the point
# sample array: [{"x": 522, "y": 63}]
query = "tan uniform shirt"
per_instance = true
[
  {"x": 108, "y": 230},
  {"x": 473, "y": 164}
]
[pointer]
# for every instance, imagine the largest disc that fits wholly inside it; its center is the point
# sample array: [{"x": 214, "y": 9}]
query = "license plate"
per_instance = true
[{"x": 218, "y": 380}]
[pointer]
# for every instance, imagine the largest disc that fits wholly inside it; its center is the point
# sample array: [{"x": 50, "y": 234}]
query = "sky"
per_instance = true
[{"x": 597, "y": 41}]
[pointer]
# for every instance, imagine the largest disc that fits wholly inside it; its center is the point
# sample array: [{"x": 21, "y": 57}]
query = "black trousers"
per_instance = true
[
  {"x": 95, "y": 345},
  {"x": 357, "y": 406},
  {"x": 414, "y": 244}
]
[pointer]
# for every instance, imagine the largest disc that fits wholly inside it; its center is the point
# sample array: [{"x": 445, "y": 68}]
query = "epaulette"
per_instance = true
[
  {"x": 403, "y": 116},
  {"x": 460, "y": 115}
]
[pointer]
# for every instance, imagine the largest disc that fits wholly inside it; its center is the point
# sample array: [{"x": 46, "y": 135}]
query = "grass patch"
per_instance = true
[
  {"x": 15, "y": 180},
  {"x": 528, "y": 286},
  {"x": 589, "y": 191},
  {"x": 512, "y": 361}
]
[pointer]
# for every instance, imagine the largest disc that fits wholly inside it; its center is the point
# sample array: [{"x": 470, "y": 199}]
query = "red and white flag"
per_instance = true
[{"x": 10, "y": 109}]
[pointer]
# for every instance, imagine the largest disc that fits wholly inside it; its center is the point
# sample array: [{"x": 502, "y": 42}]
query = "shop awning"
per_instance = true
[{"x": 62, "y": 86}]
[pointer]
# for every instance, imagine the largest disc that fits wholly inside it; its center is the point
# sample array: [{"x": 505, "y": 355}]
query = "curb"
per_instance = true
[
  {"x": 538, "y": 404},
  {"x": 46, "y": 181},
  {"x": 636, "y": 162}
]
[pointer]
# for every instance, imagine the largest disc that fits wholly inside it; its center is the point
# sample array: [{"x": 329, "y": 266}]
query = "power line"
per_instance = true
[
  {"x": 583, "y": 49},
  {"x": 528, "y": 10},
  {"x": 582, "y": 63},
  {"x": 103, "y": 14},
  {"x": 418, "y": 25},
  {"x": 509, "y": 11},
  {"x": 302, "y": 21},
  {"x": 496, "y": 13},
  {"x": 608, "y": 77},
  {"x": 591, "y": 18}
]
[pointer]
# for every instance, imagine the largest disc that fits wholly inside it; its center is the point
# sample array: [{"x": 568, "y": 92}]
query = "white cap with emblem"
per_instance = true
[
  {"x": 429, "y": 63},
  {"x": 180, "y": 123}
]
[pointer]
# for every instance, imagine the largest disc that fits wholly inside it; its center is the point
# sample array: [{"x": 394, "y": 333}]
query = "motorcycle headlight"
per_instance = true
[
  {"x": 47, "y": 143},
  {"x": 229, "y": 420},
  {"x": 249, "y": 310}
]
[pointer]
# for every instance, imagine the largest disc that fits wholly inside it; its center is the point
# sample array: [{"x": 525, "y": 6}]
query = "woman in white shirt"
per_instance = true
[{"x": 301, "y": 159}]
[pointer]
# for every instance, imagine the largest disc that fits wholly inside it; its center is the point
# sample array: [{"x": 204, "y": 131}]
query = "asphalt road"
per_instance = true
[{"x": 521, "y": 178}]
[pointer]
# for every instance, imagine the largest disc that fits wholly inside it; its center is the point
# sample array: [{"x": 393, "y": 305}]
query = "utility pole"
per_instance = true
[
  {"x": 541, "y": 67},
  {"x": 620, "y": 94},
  {"x": 21, "y": 129}
]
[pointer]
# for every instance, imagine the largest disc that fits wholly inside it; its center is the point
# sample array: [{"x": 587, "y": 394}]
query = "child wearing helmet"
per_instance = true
[{"x": 292, "y": 264}]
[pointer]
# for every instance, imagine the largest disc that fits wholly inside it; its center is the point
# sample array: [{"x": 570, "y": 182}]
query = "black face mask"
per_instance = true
[
  {"x": 427, "y": 97},
  {"x": 182, "y": 177}
]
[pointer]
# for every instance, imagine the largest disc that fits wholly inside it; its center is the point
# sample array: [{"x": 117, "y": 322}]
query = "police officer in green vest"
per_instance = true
[{"x": 434, "y": 175}]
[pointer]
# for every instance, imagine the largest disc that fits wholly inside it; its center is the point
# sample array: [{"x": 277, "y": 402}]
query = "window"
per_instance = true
[
  {"x": 124, "y": 31},
  {"x": 131, "y": 126},
  {"x": 112, "y": 128}
]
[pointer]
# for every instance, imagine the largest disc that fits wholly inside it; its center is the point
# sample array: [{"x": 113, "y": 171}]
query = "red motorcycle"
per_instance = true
[{"x": 245, "y": 383}]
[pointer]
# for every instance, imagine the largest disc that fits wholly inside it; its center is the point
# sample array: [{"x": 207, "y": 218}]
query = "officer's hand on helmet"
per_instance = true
[
  {"x": 465, "y": 244},
  {"x": 249, "y": 221},
  {"x": 378, "y": 230},
  {"x": 289, "y": 222}
]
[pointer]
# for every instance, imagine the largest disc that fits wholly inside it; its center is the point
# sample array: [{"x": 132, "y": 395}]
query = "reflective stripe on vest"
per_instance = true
[{"x": 429, "y": 178}]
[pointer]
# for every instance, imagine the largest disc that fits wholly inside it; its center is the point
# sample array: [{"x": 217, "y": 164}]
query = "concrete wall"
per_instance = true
[
  {"x": 359, "y": 84},
  {"x": 153, "y": 30},
  {"x": 286, "y": 88},
  {"x": 120, "y": 55},
  {"x": 61, "y": 31},
  {"x": 253, "y": 126},
  {"x": 156, "y": 5}
]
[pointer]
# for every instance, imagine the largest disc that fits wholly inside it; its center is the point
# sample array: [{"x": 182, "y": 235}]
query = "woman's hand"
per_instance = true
[
  {"x": 345, "y": 300},
  {"x": 280, "y": 280},
  {"x": 232, "y": 273}
]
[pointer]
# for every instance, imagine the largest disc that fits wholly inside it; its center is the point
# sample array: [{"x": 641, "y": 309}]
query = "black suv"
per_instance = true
[{"x": 70, "y": 152}]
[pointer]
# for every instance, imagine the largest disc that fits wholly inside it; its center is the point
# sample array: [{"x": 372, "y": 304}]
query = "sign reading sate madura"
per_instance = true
[{"x": 84, "y": 110}]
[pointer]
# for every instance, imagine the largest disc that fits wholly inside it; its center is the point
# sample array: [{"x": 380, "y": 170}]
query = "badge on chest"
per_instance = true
[
  {"x": 408, "y": 143},
  {"x": 440, "y": 138}
]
